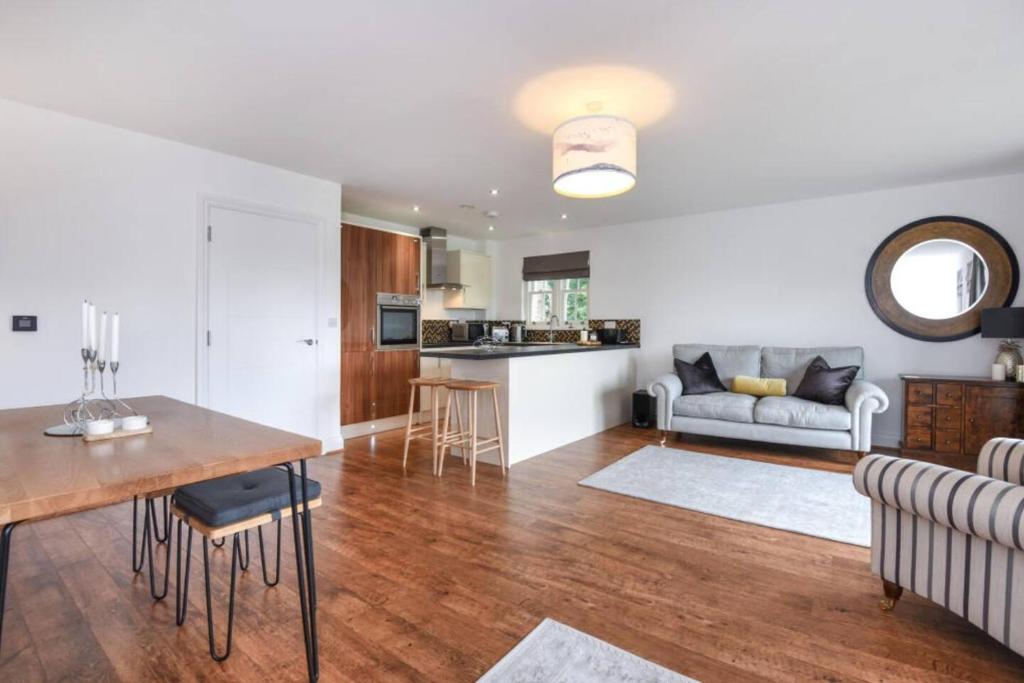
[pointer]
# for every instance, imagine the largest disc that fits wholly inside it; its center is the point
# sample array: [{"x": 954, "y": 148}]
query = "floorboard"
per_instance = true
[{"x": 423, "y": 579}]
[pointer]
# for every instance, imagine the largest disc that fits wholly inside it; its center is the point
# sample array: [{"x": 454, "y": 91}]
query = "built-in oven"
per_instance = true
[{"x": 398, "y": 321}]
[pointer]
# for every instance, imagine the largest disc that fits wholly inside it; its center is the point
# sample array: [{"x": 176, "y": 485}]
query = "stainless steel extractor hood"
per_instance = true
[{"x": 436, "y": 241}]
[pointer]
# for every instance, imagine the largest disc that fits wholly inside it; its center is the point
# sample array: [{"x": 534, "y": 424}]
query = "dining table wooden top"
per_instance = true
[{"x": 45, "y": 476}]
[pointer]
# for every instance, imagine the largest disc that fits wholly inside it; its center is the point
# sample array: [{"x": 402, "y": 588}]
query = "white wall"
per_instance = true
[
  {"x": 92, "y": 211},
  {"x": 433, "y": 299},
  {"x": 786, "y": 274}
]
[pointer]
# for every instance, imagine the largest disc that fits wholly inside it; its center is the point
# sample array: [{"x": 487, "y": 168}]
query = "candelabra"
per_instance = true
[{"x": 92, "y": 404}]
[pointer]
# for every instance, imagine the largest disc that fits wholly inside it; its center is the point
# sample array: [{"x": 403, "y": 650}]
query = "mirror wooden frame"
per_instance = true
[{"x": 994, "y": 250}]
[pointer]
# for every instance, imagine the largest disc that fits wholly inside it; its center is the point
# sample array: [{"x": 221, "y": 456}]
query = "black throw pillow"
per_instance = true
[
  {"x": 699, "y": 377},
  {"x": 823, "y": 384}
]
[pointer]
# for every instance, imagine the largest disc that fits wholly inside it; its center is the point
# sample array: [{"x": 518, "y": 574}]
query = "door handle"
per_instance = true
[{"x": 307, "y": 342}]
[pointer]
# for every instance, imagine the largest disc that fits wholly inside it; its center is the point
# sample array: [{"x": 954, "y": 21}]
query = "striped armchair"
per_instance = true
[{"x": 953, "y": 537}]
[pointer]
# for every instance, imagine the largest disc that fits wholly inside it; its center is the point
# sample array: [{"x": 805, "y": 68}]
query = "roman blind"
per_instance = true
[{"x": 557, "y": 266}]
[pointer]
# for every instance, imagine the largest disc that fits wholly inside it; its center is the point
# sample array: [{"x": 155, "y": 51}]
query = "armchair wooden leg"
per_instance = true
[
  {"x": 892, "y": 594},
  {"x": 664, "y": 437}
]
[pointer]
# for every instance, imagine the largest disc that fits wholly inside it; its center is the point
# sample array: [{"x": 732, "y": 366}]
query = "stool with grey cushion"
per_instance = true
[{"x": 227, "y": 507}]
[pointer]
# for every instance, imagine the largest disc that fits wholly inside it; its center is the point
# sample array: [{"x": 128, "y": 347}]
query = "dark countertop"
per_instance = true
[
  {"x": 447, "y": 344},
  {"x": 521, "y": 351}
]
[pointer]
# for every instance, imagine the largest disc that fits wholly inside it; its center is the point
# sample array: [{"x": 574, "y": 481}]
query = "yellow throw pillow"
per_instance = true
[{"x": 758, "y": 386}]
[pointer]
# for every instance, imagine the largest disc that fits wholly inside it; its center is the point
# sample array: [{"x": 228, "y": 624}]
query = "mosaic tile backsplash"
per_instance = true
[{"x": 438, "y": 331}]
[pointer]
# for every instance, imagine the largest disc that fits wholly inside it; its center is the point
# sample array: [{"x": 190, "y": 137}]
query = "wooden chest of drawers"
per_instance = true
[{"x": 957, "y": 415}]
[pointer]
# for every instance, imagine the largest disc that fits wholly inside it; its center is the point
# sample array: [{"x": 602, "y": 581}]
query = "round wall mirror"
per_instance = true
[
  {"x": 930, "y": 279},
  {"x": 939, "y": 279}
]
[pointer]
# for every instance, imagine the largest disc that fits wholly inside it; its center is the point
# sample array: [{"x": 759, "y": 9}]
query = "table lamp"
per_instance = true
[{"x": 1006, "y": 324}]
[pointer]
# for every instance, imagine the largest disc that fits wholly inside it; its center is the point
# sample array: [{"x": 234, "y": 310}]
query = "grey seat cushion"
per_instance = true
[
  {"x": 791, "y": 363},
  {"x": 720, "y": 405},
  {"x": 729, "y": 360},
  {"x": 229, "y": 499},
  {"x": 790, "y": 411}
]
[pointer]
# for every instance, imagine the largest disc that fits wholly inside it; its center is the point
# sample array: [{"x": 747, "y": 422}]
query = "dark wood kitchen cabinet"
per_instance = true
[
  {"x": 957, "y": 415},
  {"x": 374, "y": 384}
]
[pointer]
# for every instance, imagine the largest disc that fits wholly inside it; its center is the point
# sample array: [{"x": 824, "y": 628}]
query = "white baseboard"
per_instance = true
[
  {"x": 374, "y": 427},
  {"x": 332, "y": 443}
]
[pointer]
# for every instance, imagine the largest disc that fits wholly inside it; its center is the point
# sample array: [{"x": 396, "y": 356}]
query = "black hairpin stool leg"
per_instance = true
[
  {"x": 305, "y": 568},
  {"x": 219, "y": 545},
  {"x": 5, "y": 557},
  {"x": 181, "y": 585},
  {"x": 263, "y": 556},
  {"x": 138, "y": 558},
  {"x": 236, "y": 556},
  {"x": 167, "y": 522},
  {"x": 147, "y": 537},
  {"x": 244, "y": 566}
]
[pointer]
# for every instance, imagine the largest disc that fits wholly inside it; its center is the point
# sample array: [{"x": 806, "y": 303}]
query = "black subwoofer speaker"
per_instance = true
[{"x": 644, "y": 407}]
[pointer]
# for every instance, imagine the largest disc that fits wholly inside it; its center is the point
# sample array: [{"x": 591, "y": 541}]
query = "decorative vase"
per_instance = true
[{"x": 1009, "y": 356}]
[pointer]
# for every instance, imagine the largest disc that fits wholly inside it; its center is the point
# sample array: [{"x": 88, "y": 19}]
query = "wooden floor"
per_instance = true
[{"x": 426, "y": 579}]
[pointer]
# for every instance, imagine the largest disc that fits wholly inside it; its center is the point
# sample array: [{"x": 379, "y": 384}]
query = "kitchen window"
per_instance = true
[
  {"x": 557, "y": 284},
  {"x": 567, "y": 298}
]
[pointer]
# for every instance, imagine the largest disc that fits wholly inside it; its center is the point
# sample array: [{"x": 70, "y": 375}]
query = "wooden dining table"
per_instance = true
[{"x": 43, "y": 476}]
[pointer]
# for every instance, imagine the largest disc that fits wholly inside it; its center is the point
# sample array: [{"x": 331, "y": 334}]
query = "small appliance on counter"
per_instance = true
[
  {"x": 518, "y": 332},
  {"x": 611, "y": 335},
  {"x": 468, "y": 332},
  {"x": 499, "y": 333}
]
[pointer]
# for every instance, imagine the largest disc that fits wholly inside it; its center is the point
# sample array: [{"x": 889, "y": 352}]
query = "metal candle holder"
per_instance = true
[{"x": 89, "y": 405}]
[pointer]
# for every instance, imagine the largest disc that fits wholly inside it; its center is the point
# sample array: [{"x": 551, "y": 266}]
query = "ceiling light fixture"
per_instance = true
[
  {"x": 415, "y": 208},
  {"x": 494, "y": 192},
  {"x": 564, "y": 216},
  {"x": 594, "y": 157},
  {"x": 490, "y": 227}
]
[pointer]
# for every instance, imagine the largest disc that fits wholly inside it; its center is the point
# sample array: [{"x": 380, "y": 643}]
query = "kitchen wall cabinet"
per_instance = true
[
  {"x": 374, "y": 384},
  {"x": 473, "y": 270}
]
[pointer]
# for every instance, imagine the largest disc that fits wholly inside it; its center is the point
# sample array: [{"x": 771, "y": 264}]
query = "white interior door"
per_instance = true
[{"x": 261, "y": 309}]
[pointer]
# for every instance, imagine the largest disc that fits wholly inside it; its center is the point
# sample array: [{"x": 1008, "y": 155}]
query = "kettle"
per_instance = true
[{"x": 517, "y": 332}]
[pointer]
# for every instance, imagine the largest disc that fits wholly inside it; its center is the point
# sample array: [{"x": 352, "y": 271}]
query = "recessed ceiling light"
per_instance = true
[
  {"x": 494, "y": 192},
  {"x": 490, "y": 227},
  {"x": 564, "y": 216},
  {"x": 415, "y": 207},
  {"x": 492, "y": 214}
]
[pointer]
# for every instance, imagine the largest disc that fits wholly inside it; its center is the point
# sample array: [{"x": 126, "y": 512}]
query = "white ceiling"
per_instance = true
[{"x": 414, "y": 102}]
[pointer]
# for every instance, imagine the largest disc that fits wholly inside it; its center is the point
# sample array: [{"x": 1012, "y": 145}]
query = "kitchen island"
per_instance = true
[{"x": 550, "y": 394}]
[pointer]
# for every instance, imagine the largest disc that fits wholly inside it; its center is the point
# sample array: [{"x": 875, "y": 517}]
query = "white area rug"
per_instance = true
[
  {"x": 812, "y": 502},
  {"x": 556, "y": 653}
]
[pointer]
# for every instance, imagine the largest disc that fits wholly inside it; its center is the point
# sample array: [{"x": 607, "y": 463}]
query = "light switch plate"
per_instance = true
[{"x": 24, "y": 323}]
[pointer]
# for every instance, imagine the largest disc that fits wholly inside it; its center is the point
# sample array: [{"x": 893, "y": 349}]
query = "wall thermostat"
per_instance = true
[{"x": 23, "y": 323}]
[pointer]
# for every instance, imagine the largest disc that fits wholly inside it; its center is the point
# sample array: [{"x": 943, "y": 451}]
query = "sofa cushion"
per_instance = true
[
  {"x": 790, "y": 411},
  {"x": 729, "y": 360},
  {"x": 723, "y": 405},
  {"x": 791, "y": 363},
  {"x": 699, "y": 377},
  {"x": 824, "y": 384}
]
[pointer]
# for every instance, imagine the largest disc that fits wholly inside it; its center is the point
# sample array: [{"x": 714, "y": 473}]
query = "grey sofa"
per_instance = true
[{"x": 773, "y": 419}]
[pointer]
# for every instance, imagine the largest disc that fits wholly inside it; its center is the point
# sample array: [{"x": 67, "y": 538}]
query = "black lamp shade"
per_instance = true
[{"x": 1002, "y": 323}]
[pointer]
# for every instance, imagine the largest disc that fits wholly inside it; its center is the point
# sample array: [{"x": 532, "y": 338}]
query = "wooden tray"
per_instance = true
[
  {"x": 117, "y": 434},
  {"x": 588, "y": 343}
]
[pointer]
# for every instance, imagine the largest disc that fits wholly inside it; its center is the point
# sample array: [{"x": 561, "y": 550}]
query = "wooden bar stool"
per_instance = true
[
  {"x": 429, "y": 432},
  {"x": 470, "y": 441}
]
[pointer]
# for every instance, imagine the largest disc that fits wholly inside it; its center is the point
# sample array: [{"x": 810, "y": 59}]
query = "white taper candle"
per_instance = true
[
  {"x": 92, "y": 327},
  {"x": 102, "y": 350},
  {"x": 85, "y": 324},
  {"x": 115, "y": 338}
]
